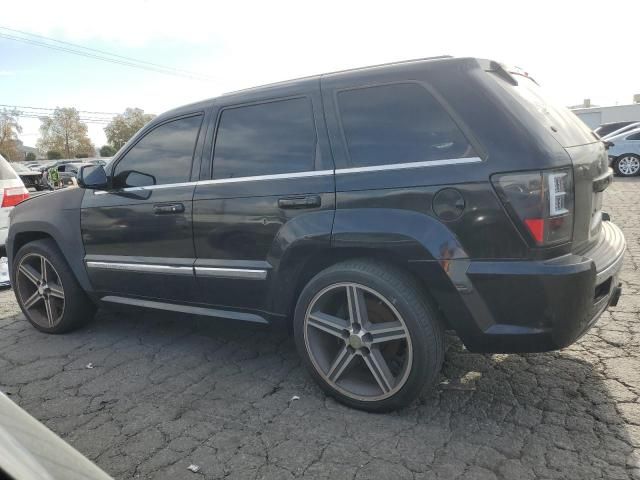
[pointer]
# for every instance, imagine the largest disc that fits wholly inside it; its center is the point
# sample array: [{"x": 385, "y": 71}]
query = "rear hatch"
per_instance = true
[{"x": 591, "y": 174}]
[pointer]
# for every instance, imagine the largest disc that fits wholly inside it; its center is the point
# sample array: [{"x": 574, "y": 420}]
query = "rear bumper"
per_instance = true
[{"x": 531, "y": 306}]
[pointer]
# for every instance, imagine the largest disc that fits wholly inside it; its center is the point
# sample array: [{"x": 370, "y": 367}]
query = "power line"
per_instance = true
[
  {"x": 86, "y": 116},
  {"x": 53, "y": 109},
  {"x": 96, "y": 57},
  {"x": 95, "y": 50},
  {"x": 83, "y": 120},
  {"x": 99, "y": 54},
  {"x": 40, "y": 113}
]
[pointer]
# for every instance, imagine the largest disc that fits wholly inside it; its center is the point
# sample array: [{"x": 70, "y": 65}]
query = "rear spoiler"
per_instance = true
[{"x": 506, "y": 73}]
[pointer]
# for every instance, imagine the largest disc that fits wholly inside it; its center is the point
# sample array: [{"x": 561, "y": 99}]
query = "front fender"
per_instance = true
[{"x": 56, "y": 215}]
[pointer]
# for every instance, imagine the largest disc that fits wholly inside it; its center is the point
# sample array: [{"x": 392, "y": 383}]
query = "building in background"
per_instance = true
[
  {"x": 24, "y": 149},
  {"x": 594, "y": 116}
]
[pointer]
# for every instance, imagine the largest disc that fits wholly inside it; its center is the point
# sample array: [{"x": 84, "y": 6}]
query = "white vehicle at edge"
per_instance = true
[
  {"x": 12, "y": 192},
  {"x": 620, "y": 131},
  {"x": 624, "y": 153}
]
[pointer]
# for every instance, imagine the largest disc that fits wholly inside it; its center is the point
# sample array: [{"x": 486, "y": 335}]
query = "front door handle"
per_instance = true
[
  {"x": 167, "y": 208},
  {"x": 307, "y": 201}
]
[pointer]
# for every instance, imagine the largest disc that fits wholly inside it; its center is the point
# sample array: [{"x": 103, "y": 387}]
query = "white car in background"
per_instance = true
[
  {"x": 12, "y": 192},
  {"x": 624, "y": 153}
]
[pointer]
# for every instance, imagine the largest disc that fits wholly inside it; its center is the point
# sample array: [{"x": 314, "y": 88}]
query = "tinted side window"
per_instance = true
[
  {"x": 162, "y": 156},
  {"x": 398, "y": 123},
  {"x": 635, "y": 136},
  {"x": 265, "y": 139}
]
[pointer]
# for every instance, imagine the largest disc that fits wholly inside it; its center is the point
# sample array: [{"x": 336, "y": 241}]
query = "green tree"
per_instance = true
[
  {"x": 107, "y": 151},
  {"x": 64, "y": 132},
  {"x": 9, "y": 130},
  {"x": 125, "y": 126},
  {"x": 30, "y": 157},
  {"x": 54, "y": 155}
]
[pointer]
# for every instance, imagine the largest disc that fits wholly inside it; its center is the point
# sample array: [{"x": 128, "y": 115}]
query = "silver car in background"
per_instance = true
[
  {"x": 624, "y": 152},
  {"x": 625, "y": 129}
]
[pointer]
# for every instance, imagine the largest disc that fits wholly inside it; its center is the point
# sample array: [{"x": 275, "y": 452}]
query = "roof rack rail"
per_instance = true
[
  {"x": 388, "y": 64},
  {"x": 399, "y": 62}
]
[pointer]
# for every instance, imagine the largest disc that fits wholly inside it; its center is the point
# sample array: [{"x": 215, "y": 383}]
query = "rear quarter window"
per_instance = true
[
  {"x": 562, "y": 123},
  {"x": 398, "y": 123}
]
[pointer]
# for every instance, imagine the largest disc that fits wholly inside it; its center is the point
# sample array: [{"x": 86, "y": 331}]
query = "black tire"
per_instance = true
[
  {"x": 77, "y": 309},
  {"x": 632, "y": 168},
  {"x": 421, "y": 319}
]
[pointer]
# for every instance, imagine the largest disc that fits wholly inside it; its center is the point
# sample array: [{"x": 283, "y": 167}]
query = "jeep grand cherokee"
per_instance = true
[{"x": 371, "y": 209}]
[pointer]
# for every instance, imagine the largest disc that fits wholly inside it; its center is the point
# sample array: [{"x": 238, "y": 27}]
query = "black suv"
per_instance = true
[{"x": 369, "y": 209}]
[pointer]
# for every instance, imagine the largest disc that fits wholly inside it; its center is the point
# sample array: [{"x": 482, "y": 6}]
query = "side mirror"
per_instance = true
[
  {"x": 133, "y": 178},
  {"x": 92, "y": 177}
]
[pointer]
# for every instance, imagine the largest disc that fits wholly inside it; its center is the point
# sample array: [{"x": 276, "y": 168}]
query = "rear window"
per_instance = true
[
  {"x": 6, "y": 172},
  {"x": 399, "y": 123},
  {"x": 567, "y": 129}
]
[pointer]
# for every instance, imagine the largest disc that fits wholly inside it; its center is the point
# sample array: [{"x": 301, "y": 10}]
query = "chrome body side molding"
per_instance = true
[
  {"x": 313, "y": 173},
  {"x": 240, "y": 273}
]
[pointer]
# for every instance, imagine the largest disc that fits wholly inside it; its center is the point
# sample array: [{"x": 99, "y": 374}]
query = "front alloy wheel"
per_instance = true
[
  {"x": 40, "y": 290},
  {"x": 47, "y": 290}
]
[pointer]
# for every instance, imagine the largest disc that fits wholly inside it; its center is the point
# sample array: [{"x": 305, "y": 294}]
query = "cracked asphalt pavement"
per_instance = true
[{"x": 146, "y": 395}]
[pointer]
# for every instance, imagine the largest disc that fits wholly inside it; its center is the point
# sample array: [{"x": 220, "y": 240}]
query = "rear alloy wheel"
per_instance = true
[
  {"x": 368, "y": 335},
  {"x": 47, "y": 290},
  {"x": 372, "y": 355},
  {"x": 627, "y": 165}
]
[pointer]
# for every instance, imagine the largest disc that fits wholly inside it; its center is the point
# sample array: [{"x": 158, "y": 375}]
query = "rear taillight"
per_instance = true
[
  {"x": 13, "y": 196},
  {"x": 541, "y": 202}
]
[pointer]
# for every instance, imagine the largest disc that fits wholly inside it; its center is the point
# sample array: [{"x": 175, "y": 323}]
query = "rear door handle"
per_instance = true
[
  {"x": 307, "y": 201},
  {"x": 168, "y": 208}
]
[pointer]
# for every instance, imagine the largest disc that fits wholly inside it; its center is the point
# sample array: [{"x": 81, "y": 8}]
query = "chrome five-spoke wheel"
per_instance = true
[
  {"x": 40, "y": 290},
  {"x": 358, "y": 341}
]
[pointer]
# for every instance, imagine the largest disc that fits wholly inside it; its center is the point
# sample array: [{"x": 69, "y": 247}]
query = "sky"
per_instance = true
[{"x": 574, "y": 49}]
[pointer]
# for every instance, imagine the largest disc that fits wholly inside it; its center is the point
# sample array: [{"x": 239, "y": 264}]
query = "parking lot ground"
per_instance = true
[{"x": 146, "y": 395}]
